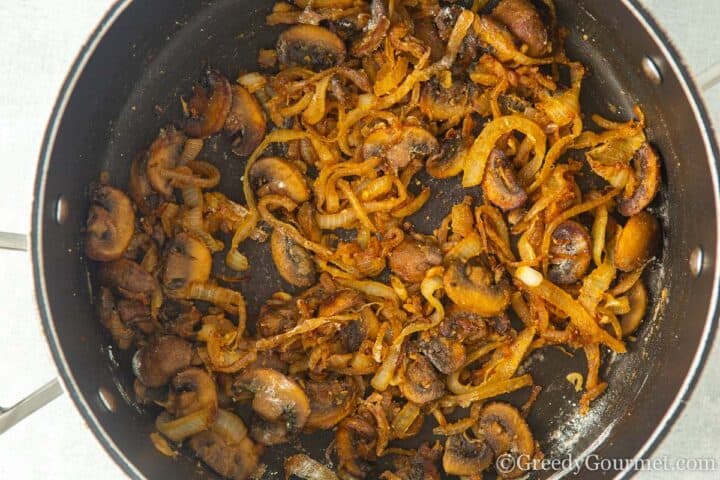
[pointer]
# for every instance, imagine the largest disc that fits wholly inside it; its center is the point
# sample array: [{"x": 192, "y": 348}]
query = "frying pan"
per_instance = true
[{"x": 125, "y": 85}]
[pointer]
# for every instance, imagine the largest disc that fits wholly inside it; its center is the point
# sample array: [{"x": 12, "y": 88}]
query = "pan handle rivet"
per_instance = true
[
  {"x": 107, "y": 399},
  {"x": 62, "y": 209},
  {"x": 696, "y": 261},
  {"x": 651, "y": 71}
]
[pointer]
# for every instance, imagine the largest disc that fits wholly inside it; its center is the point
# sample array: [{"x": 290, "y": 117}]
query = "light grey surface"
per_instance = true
[{"x": 39, "y": 40}]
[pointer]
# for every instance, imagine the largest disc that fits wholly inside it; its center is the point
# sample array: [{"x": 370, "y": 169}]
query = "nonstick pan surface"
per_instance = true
[{"x": 127, "y": 84}]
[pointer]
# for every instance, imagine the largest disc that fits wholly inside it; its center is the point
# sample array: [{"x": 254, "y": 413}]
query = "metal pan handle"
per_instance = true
[{"x": 43, "y": 395}]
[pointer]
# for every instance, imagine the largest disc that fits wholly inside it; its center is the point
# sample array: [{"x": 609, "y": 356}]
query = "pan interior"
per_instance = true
[{"x": 154, "y": 53}]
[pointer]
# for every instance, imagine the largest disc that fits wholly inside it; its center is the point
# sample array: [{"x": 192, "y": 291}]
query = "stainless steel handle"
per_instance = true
[
  {"x": 709, "y": 78},
  {"x": 43, "y": 395}
]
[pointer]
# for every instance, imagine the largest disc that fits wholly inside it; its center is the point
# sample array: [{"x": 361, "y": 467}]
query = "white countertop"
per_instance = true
[{"x": 38, "y": 42}]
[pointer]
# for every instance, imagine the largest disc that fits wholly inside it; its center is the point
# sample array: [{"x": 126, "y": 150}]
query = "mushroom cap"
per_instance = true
[
  {"x": 293, "y": 262},
  {"x": 420, "y": 381},
  {"x": 331, "y": 400},
  {"x": 445, "y": 354},
  {"x": 463, "y": 457},
  {"x": 187, "y": 261},
  {"x": 483, "y": 299},
  {"x": 410, "y": 259},
  {"x": 110, "y": 224},
  {"x": 440, "y": 103},
  {"x": 638, "y": 297},
  {"x": 500, "y": 186},
  {"x": 524, "y": 21},
  {"x": 157, "y": 362},
  {"x": 399, "y": 146},
  {"x": 640, "y": 193},
  {"x": 450, "y": 160},
  {"x": 638, "y": 241},
  {"x": 276, "y": 175},
  {"x": 570, "y": 253},
  {"x": 164, "y": 154},
  {"x": 246, "y": 119},
  {"x": 310, "y": 46},
  {"x": 192, "y": 390},
  {"x": 126, "y": 276},
  {"x": 208, "y": 113},
  {"x": 506, "y": 432}
]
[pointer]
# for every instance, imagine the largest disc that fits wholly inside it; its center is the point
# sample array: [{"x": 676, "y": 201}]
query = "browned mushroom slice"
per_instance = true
[
  {"x": 293, "y": 262},
  {"x": 110, "y": 224},
  {"x": 276, "y": 317},
  {"x": 236, "y": 460},
  {"x": 646, "y": 184},
  {"x": 464, "y": 457},
  {"x": 139, "y": 188},
  {"x": 209, "y": 106},
  {"x": 246, "y": 120},
  {"x": 500, "y": 187},
  {"x": 122, "y": 334},
  {"x": 445, "y": 354},
  {"x": 413, "y": 257},
  {"x": 275, "y": 175},
  {"x": 480, "y": 297},
  {"x": 192, "y": 390},
  {"x": 376, "y": 30},
  {"x": 310, "y": 46},
  {"x": 420, "y": 381},
  {"x": 570, "y": 253},
  {"x": 331, "y": 400},
  {"x": 157, "y": 362},
  {"x": 451, "y": 158},
  {"x": 163, "y": 155},
  {"x": 506, "y": 432},
  {"x": 462, "y": 325},
  {"x": 187, "y": 261},
  {"x": 355, "y": 447},
  {"x": 524, "y": 21},
  {"x": 637, "y": 242},
  {"x": 277, "y": 399},
  {"x": 127, "y": 277},
  {"x": 638, "y": 305},
  {"x": 426, "y": 31},
  {"x": 399, "y": 146},
  {"x": 440, "y": 103}
]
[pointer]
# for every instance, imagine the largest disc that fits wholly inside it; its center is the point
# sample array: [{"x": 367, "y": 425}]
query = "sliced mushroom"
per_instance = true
[
  {"x": 127, "y": 277},
  {"x": 420, "y": 381},
  {"x": 479, "y": 297},
  {"x": 277, "y": 399},
  {"x": 139, "y": 188},
  {"x": 246, "y": 120},
  {"x": 399, "y": 146},
  {"x": 426, "y": 31},
  {"x": 451, "y": 158},
  {"x": 269, "y": 433},
  {"x": 310, "y": 46},
  {"x": 377, "y": 29},
  {"x": 638, "y": 297},
  {"x": 276, "y": 317},
  {"x": 355, "y": 446},
  {"x": 445, "y": 354},
  {"x": 187, "y": 261},
  {"x": 640, "y": 193},
  {"x": 209, "y": 106},
  {"x": 192, "y": 390},
  {"x": 293, "y": 262},
  {"x": 570, "y": 253},
  {"x": 506, "y": 432},
  {"x": 157, "y": 362},
  {"x": 638, "y": 242},
  {"x": 110, "y": 224},
  {"x": 122, "y": 334},
  {"x": 235, "y": 460},
  {"x": 524, "y": 21},
  {"x": 413, "y": 257},
  {"x": 440, "y": 103},
  {"x": 463, "y": 326},
  {"x": 163, "y": 155},
  {"x": 331, "y": 400},
  {"x": 464, "y": 457},
  {"x": 275, "y": 175},
  {"x": 500, "y": 187}
]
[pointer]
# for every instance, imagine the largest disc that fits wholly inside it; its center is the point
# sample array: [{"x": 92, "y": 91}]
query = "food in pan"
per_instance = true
[{"x": 388, "y": 323}]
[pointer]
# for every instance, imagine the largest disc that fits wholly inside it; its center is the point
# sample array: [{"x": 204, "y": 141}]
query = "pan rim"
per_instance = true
[{"x": 676, "y": 65}]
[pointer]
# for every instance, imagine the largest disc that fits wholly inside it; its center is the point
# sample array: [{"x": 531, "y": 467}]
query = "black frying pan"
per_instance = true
[{"x": 126, "y": 84}]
